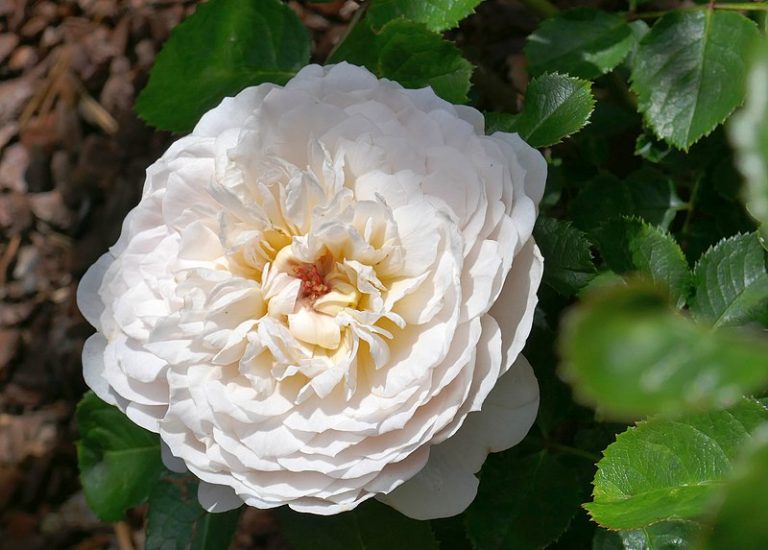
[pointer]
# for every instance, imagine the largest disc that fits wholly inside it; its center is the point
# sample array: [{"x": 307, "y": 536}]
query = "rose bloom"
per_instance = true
[{"x": 322, "y": 298}]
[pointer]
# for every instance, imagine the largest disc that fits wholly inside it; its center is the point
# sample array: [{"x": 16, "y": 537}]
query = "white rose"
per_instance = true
[{"x": 322, "y": 297}]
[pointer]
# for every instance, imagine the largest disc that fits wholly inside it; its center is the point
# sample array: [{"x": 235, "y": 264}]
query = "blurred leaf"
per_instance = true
[
  {"x": 627, "y": 351},
  {"x": 119, "y": 461},
  {"x": 568, "y": 258},
  {"x": 731, "y": 283},
  {"x": 176, "y": 521},
  {"x": 749, "y": 134},
  {"x": 225, "y": 46},
  {"x": 555, "y": 107},
  {"x": 437, "y": 15},
  {"x": 665, "y": 535},
  {"x": 741, "y": 519},
  {"x": 630, "y": 245},
  {"x": 668, "y": 469},
  {"x": 370, "y": 526},
  {"x": 689, "y": 73},
  {"x": 410, "y": 54},
  {"x": 582, "y": 42},
  {"x": 506, "y": 515}
]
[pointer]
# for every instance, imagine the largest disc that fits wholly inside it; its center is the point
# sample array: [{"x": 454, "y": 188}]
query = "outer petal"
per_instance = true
[
  {"x": 447, "y": 484},
  {"x": 217, "y": 498},
  {"x": 515, "y": 306},
  {"x": 93, "y": 367}
]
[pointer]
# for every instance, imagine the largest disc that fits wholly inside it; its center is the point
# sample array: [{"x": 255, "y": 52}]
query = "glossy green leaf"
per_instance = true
[
  {"x": 410, "y": 54},
  {"x": 568, "y": 258},
  {"x": 689, "y": 72},
  {"x": 437, "y": 15},
  {"x": 555, "y": 107},
  {"x": 749, "y": 134},
  {"x": 629, "y": 353},
  {"x": 505, "y": 513},
  {"x": 176, "y": 521},
  {"x": 582, "y": 42},
  {"x": 669, "y": 469},
  {"x": 119, "y": 461},
  {"x": 225, "y": 46},
  {"x": 741, "y": 517},
  {"x": 632, "y": 245},
  {"x": 370, "y": 526},
  {"x": 731, "y": 283}
]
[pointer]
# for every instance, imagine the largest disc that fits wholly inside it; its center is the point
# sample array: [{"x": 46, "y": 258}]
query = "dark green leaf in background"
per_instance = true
[
  {"x": 739, "y": 520},
  {"x": 645, "y": 193},
  {"x": 629, "y": 353},
  {"x": 569, "y": 265},
  {"x": 370, "y": 526},
  {"x": 582, "y": 42},
  {"x": 119, "y": 461},
  {"x": 555, "y": 107},
  {"x": 632, "y": 245},
  {"x": 523, "y": 502},
  {"x": 690, "y": 70},
  {"x": 749, "y": 134},
  {"x": 669, "y": 469},
  {"x": 437, "y": 15},
  {"x": 731, "y": 283},
  {"x": 410, "y": 54},
  {"x": 225, "y": 46},
  {"x": 176, "y": 521}
]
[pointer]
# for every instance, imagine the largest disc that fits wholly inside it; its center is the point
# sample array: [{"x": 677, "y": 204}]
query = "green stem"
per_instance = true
[
  {"x": 691, "y": 206},
  {"x": 746, "y": 6},
  {"x": 592, "y": 457},
  {"x": 542, "y": 8}
]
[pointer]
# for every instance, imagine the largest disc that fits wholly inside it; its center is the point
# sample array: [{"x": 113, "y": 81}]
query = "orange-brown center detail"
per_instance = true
[{"x": 312, "y": 283}]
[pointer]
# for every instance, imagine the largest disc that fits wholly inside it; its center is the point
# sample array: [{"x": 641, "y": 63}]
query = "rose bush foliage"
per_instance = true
[{"x": 323, "y": 295}]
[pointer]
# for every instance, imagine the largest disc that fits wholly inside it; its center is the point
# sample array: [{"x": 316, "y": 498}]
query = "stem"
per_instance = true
[
  {"x": 574, "y": 451},
  {"x": 691, "y": 206},
  {"x": 542, "y": 8},
  {"x": 746, "y": 6}
]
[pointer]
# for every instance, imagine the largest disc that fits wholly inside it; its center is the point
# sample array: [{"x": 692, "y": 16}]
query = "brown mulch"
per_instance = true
[{"x": 72, "y": 160}]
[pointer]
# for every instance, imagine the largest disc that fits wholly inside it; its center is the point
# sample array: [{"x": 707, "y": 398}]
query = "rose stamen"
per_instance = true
[{"x": 312, "y": 283}]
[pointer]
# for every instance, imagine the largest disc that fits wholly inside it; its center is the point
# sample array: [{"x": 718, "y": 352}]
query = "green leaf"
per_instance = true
[
  {"x": 410, "y": 54},
  {"x": 555, "y": 107},
  {"x": 523, "y": 502},
  {"x": 582, "y": 42},
  {"x": 645, "y": 193},
  {"x": 665, "y": 535},
  {"x": 631, "y": 245},
  {"x": 741, "y": 518},
  {"x": 225, "y": 46},
  {"x": 370, "y": 526},
  {"x": 731, "y": 283},
  {"x": 437, "y": 15},
  {"x": 689, "y": 72},
  {"x": 653, "y": 197},
  {"x": 749, "y": 133},
  {"x": 119, "y": 461},
  {"x": 668, "y": 469},
  {"x": 176, "y": 521},
  {"x": 627, "y": 351},
  {"x": 568, "y": 258}
]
